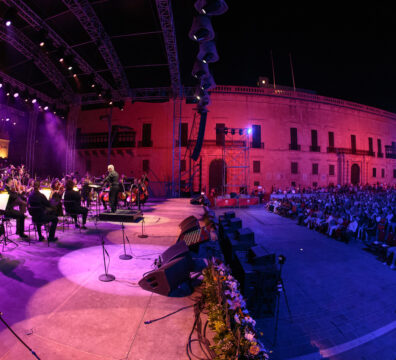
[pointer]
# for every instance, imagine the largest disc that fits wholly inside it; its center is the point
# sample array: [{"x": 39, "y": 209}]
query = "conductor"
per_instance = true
[{"x": 113, "y": 181}]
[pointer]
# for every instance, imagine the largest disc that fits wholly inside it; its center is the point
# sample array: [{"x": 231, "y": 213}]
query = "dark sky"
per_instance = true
[{"x": 338, "y": 52}]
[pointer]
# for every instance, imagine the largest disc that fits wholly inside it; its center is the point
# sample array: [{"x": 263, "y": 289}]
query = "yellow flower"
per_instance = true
[{"x": 254, "y": 349}]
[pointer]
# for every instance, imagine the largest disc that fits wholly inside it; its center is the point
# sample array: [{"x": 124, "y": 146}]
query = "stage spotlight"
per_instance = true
[
  {"x": 111, "y": 102},
  {"x": 201, "y": 29},
  {"x": 1, "y": 85},
  {"x": 74, "y": 75},
  {"x": 208, "y": 52},
  {"x": 14, "y": 123},
  {"x": 200, "y": 69},
  {"x": 42, "y": 44},
  {"x": 61, "y": 60},
  {"x": 34, "y": 101},
  {"x": 207, "y": 82},
  {"x": 70, "y": 68},
  {"x": 7, "y": 119},
  {"x": 8, "y": 93},
  {"x": 211, "y": 7},
  {"x": 249, "y": 131},
  {"x": 46, "y": 107},
  {"x": 9, "y": 16}
]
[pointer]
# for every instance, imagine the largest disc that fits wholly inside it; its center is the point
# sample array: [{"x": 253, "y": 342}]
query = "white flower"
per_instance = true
[{"x": 249, "y": 336}]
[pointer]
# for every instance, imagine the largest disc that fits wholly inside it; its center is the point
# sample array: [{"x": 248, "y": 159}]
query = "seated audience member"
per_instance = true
[
  {"x": 42, "y": 212},
  {"x": 10, "y": 212},
  {"x": 73, "y": 204}
]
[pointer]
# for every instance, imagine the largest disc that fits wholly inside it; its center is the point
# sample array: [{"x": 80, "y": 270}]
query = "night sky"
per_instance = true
[{"x": 337, "y": 52}]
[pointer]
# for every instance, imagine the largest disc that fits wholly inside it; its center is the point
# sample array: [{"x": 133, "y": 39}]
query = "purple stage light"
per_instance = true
[
  {"x": 1, "y": 85},
  {"x": 34, "y": 101},
  {"x": 16, "y": 95},
  {"x": 7, "y": 119},
  {"x": 46, "y": 107}
]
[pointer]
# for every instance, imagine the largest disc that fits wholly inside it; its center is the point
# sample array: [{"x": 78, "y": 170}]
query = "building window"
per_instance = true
[
  {"x": 315, "y": 169},
  {"x": 256, "y": 166},
  {"x": 293, "y": 140},
  {"x": 183, "y": 134},
  {"x": 293, "y": 183},
  {"x": 374, "y": 172},
  {"x": 294, "y": 168},
  {"x": 146, "y": 166},
  {"x": 382, "y": 173},
  {"x": 379, "y": 148},
  {"x": 183, "y": 165},
  {"x": 220, "y": 134},
  {"x": 371, "y": 148},
  {"x": 331, "y": 139},
  {"x": 314, "y": 141},
  {"x": 256, "y": 183},
  {"x": 146, "y": 136},
  {"x": 353, "y": 143},
  {"x": 256, "y": 136},
  {"x": 315, "y": 184},
  {"x": 331, "y": 170}
]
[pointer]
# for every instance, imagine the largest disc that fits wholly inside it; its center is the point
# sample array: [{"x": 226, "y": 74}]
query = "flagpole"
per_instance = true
[
  {"x": 273, "y": 70},
  {"x": 292, "y": 71}
]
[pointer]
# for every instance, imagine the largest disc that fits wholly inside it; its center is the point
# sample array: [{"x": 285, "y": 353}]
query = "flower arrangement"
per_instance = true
[{"x": 235, "y": 335}]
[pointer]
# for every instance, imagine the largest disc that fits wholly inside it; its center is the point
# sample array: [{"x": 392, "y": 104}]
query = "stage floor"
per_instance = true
[
  {"x": 52, "y": 298},
  {"x": 343, "y": 300}
]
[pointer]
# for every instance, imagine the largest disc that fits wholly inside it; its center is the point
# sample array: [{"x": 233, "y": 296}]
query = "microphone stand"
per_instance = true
[{"x": 13, "y": 333}]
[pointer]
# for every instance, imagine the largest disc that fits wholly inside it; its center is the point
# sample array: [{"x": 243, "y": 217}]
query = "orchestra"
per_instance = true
[{"x": 26, "y": 193}]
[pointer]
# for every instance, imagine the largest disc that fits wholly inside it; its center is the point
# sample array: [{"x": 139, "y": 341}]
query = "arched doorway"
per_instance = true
[
  {"x": 355, "y": 174},
  {"x": 216, "y": 169}
]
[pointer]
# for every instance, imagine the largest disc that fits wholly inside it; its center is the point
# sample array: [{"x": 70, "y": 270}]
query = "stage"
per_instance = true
[{"x": 52, "y": 298}]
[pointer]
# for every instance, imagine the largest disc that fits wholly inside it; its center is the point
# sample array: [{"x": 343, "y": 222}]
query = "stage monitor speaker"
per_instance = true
[
  {"x": 168, "y": 277},
  {"x": 201, "y": 134},
  {"x": 187, "y": 220},
  {"x": 245, "y": 234},
  {"x": 175, "y": 251},
  {"x": 257, "y": 255}
]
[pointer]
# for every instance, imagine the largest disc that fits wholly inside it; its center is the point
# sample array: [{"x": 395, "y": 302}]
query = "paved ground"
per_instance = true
[
  {"x": 342, "y": 299},
  {"x": 53, "y": 299}
]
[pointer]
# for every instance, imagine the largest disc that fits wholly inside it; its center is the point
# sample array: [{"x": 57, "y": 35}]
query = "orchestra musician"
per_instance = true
[
  {"x": 86, "y": 192},
  {"x": 10, "y": 212},
  {"x": 57, "y": 190},
  {"x": 43, "y": 212},
  {"x": 113, "y": 180},
  {"x": 73, "y": 204}
]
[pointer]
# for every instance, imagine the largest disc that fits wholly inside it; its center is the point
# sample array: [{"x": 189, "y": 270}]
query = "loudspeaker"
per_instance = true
[
  {"x": 235, "y": 224},
  {"x": 256, "y": 136},
  {"x": 201, "y": 134},
  {"x": 168, "y": 277},
  {"x": 245, "y": 235},
  {"x": 173, "y": 252},
  {"x": 187, "y": 220},
  {"x": 257, "y": 255}
]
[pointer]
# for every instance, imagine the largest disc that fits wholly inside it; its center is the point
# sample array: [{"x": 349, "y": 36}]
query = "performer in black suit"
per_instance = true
[
  {"x": 13, "y": 201},
  {"x": 73, "y": 204},
  {"x": 42, "y": 212},
  {"x": 113, "y": 180}
]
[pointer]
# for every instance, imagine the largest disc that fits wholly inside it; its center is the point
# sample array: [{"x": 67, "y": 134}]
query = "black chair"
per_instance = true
[
  {"x": 69, "y": 212},
  {"x": 37, "y": 214}
]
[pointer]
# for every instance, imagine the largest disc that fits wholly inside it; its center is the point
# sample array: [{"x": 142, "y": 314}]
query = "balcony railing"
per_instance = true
[
  {"x": 122, "y": 139},
  {"x": 338, "y": 150},
  {"x": 314, "y": 148},
  {"x": 294, "y": 147}
]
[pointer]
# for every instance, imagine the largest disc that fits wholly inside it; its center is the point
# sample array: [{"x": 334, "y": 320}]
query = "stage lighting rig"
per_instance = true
[
  {"x": 200, "y": 69},
  {"x": 211, "y": 7},
  {"x": 208, "y": 52},
  {"x": 10, "y": 16},
  {"x": 207, "y": 82},
  {"x": 201, "y": 29}
]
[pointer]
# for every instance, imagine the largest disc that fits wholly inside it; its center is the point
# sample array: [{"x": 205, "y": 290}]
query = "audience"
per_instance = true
[{"x": 345, "y": 213}]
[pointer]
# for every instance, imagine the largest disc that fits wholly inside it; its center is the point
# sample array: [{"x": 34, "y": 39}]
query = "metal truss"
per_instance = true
[
  {"x": 21, "y": 87},
  {"x": 26, "y": 47},
  {"x": 168, "y": 30},
  {"x": 84, "y": 12},
  {"x": 140, "y": 94},
  {"x": 26, "y": 13}
]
